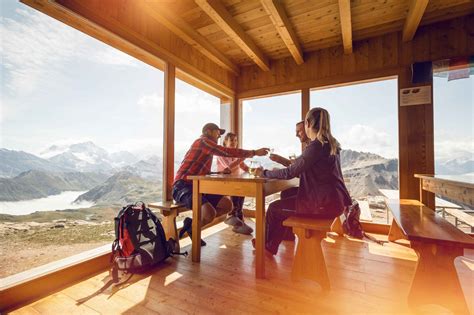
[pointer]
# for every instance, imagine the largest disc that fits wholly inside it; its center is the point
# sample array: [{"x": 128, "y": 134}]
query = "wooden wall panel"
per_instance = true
[{"x": 415, "y": 141}]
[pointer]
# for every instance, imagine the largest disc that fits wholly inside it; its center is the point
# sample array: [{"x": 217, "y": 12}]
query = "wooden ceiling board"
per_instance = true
[
  {"x": 372, "y": 14},
  {"x": 315, "y": 22},
  {"x": 300, "y": 7},
  {"x": 239, "y": 7},
  {"x": 448, "y": 13},
  {"x": 434, "y": 5}
]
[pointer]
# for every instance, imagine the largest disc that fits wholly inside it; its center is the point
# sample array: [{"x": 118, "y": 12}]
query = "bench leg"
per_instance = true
[
  {"x": 309, "y": 259},
  {"x": 436, "y": 280},
  {"x": 395, "y": 233},
  {"x": 169, "y": 225}
]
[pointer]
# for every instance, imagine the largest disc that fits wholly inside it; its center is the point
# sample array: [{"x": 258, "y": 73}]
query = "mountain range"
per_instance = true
[
  {"x": 34, "y": 184},
  {"x": 123, "y": 177},
  {"x": 366, "y": 173},
  {"x": 123, "y": 188}
]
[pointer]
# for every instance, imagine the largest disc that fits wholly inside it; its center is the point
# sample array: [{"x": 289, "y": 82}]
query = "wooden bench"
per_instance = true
[
  {"x": 437, "y": 243},
  {"x": 169, "y": 210},
  {"x": 309, "y": 260}
]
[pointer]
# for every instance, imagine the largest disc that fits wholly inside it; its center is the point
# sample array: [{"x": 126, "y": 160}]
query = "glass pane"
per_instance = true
[
  {"x": 364, "y": 119},
  {"x": 81, "y": 136},
  {"x": 270, "y": 122},
  {"x": 454, "y": 140}
]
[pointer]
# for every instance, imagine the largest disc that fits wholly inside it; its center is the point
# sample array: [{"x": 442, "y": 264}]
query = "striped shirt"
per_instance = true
[{"x": 198, "y": 159}]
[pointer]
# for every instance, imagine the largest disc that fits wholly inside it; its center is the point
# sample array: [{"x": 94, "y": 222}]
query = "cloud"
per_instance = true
[
  {"x": 368, "y": 139},
  {"x": 448, "y": 147},
  {"x": 151, "y": 103},
  {"x": 36, "y": 48},
  {"x": 194, "y": 102}
]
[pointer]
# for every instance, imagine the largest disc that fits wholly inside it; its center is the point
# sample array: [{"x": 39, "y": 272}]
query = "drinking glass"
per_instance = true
[{"x": 253, "y": 166}]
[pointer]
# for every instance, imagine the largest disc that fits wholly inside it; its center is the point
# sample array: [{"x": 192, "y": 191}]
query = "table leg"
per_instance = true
[
  {"x": 260, "y": 232},
  {"x": 436, "y": 280},
  {"x": 196, "y": 228}
]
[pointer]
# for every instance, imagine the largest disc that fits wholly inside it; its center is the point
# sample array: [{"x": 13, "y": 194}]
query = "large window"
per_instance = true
[
  {"x": 364, "y": 120},
  {"x": 194, "y": 108},
  {"x": 270, "y": 122},
  {"x": 81, "y": 136},
  {"x": 453, "y": 106}
]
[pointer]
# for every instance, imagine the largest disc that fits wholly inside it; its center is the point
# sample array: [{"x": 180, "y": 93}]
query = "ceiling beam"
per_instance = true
[
  {"x": 177, "y": 25},
  {"x": 415, "y": 13},
  {"x": 219, "y": 14},
  {"x": 346, "y": 25},
  {"x": 283, "y": 26}
]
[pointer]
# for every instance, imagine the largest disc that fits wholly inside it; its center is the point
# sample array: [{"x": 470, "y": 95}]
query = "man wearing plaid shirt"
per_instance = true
[{"x": 198, "y": 161}]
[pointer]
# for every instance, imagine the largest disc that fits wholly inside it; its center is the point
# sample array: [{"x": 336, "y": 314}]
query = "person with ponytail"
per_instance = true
[{"x": 322, "y": 192}]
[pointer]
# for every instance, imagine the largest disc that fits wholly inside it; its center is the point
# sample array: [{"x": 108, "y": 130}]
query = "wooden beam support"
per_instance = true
[
  {"x": 219, "y": 14},
  {"x": 168, "y": 131},
  {"x": 283, "y": 26},
  {"x": 177, "y": 25},
  {"x": 305, "y": 101},
  {"x": 415, "y": 13},
  {"x": 346, "y": 25},
  {"x": 236, "y": 118}
]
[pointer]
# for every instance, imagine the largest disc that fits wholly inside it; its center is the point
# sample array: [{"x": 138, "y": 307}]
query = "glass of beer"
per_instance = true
[{"x": 253, "y": 166}]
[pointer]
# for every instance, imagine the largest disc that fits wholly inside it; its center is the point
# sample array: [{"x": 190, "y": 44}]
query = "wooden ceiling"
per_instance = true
[{"x": 241, "y": 32}]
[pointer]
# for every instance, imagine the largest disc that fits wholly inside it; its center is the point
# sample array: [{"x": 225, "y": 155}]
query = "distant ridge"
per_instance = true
[
  {"x": 12, "y": 163},
  {"x": 366, "y": 173},
  {"x": 123, "y": 188},
  {"x": 38, "y": 184}
]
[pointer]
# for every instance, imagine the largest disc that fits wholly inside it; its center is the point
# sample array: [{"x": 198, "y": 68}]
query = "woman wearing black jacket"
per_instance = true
[{"x": 322, "y": 192}]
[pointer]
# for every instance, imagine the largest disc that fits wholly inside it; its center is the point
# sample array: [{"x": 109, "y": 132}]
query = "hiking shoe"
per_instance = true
[
  {"x": 242, "y": 228},
  {"x": 232, "y": 220},
  {"x": 187, "y": 225}
]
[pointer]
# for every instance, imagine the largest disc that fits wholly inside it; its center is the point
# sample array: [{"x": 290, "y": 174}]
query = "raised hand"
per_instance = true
[{"x": 262, "y": 151}]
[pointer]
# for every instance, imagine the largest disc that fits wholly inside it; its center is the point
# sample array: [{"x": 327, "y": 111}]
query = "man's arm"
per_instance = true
[
  {"x": 280, "y": 160},
  {"x": 212, "y": 147}
]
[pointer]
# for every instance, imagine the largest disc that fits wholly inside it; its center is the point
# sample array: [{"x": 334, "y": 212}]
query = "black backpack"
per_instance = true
[
  {"x": 351, "y": 223},
  {"x": 140, "y": 241}
]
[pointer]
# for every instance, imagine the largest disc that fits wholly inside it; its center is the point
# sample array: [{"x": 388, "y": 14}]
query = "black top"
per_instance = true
[{"x": 322, "y": 189}]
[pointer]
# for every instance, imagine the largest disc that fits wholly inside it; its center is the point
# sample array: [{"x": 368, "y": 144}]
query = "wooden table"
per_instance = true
[{"x": 237, "y": 185}]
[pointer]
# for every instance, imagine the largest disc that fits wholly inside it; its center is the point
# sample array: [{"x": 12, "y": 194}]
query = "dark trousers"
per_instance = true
[
  {"x": 238, "y": 206},
  {"x": 278, "y": 211},
  {"x": 288, "y": 193}
]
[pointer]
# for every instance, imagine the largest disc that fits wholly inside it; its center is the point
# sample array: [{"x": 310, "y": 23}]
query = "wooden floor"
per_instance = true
[{"x": 366, "y": 278}]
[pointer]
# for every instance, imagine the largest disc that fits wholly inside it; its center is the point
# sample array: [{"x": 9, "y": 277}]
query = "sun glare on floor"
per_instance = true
[{"x": 172, "y": 277}]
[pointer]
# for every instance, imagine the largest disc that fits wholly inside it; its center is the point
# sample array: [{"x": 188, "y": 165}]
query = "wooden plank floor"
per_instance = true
[{"x": 366, "y": 278}]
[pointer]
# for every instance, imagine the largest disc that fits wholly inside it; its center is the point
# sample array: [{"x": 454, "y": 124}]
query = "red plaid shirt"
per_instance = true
[{"x": 198, "y": 159}]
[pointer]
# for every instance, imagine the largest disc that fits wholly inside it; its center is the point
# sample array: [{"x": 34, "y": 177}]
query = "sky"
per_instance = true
[{"x": 61, "y": 86}]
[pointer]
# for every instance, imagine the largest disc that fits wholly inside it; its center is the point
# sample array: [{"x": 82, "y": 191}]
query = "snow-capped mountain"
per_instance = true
[
  {"x": 12, "y": 163},
  {"x": 151, "y": 168},
  {"x": 87, "y": 157}
]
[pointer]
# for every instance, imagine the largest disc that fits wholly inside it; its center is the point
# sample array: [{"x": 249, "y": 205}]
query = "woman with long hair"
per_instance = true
[
  {"x": 235, "y": 166},
  {"x": 322, "y": 192}
]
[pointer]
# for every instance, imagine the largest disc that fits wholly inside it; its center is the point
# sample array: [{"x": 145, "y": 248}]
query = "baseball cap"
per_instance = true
[{"x": 212, "y": 126}]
